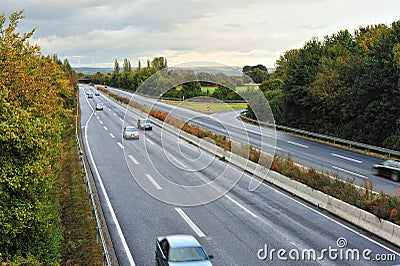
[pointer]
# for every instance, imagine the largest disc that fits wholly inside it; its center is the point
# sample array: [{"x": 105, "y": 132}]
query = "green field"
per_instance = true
[
  {"x": 213, "y": 88},
  {"x": 208, "y": 108}
]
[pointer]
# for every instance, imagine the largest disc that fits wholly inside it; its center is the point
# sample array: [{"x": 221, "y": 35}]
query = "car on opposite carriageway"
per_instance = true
[{"x": 388, "y": 168}]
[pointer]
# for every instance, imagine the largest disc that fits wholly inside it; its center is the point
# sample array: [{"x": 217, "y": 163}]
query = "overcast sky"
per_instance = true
[{"x": 237, "y": 33}]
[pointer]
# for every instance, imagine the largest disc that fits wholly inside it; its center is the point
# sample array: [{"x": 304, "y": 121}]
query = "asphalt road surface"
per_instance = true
[
  {"x": 154, "y": 186},
  {"x": 348, "y": 164}
]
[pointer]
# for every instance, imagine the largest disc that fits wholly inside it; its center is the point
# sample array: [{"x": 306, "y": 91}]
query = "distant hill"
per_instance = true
[
  {"x": 93, "y": 70},
  {"x": 227, "y": 70}
]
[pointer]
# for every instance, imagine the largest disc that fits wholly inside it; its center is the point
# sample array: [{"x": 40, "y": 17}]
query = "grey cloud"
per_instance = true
[{"x": 100, "y": 30}]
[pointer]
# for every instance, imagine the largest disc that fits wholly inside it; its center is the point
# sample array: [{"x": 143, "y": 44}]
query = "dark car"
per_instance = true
[
  {"x": 388, "y": 168},
  {"x": 180, "y": 250},
  {"x": 99, "y": 106},
  {"x": 144, "y": 124}
]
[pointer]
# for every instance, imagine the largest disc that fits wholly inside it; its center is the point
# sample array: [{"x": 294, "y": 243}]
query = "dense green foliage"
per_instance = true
[
  {"x": 346, "y": 86},
  {"x": 258, "y": 73},
  {"x": 166, "y": 80},
  {"x": 191, "y": 89},
  {"x": 35, "y": 95}
]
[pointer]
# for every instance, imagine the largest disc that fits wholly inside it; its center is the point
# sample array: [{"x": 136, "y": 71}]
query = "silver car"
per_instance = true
[
  {"x": 130, "y": 132},
  {"x": 388, "y": 168},
  {"x": 180, "y": 250}
]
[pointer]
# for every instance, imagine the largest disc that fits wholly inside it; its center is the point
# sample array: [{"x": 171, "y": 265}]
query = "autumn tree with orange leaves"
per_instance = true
[{"x": 34, "y": 99}]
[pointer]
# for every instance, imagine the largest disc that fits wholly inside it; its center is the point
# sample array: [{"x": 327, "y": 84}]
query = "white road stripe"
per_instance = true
[
  {"x": 347, "y": 171},
  {"x": 133, "y": 159},
  {"x": 119, "y": 144},
  {"x": 152, "y": 143},
  {"x": 241, "y": 206},
  {"x": 101, "y": 122},
  {"x": 298, "y": 144},
  {"x": 152, "y": 180},
  {"x": 108, "y": 202},
  {"x": 111, "y": 135},
  {"x": 179, "y": 162},
  {"x": 346, "y": 158},
  {"x": 189, "y": 146},
  {"x": 105, "y": 128},
  {"x": 194, "y": 227},
  {"x": 122, "y": 120}
]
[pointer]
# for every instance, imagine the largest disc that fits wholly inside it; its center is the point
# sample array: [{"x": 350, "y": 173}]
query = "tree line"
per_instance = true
[
  {"x": 166, "y": 79},
  {"x": 346, "y": 86},
  {"x": 36, "y": 100}
]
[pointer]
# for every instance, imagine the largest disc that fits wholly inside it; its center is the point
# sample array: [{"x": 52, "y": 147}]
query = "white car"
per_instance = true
[
  {"x": 130, "y": 132},
  {"x": 180, "y": 250}
]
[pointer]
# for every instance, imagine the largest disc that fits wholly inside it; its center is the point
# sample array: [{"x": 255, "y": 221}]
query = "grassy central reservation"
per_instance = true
[{"x": 208, "y": 108}]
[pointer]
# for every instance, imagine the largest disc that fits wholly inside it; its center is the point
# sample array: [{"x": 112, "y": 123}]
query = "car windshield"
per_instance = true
[
  {"x": 130, "y": 129},
  {"x": 392, "y": 164},
  {"x": 187, "y": 254},
  {"x": 146, "y": 121}
]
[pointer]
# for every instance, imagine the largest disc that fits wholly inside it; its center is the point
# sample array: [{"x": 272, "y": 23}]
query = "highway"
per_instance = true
[
  {"x": 348, "y": 164},
  {"x": 235, "y": 225}
]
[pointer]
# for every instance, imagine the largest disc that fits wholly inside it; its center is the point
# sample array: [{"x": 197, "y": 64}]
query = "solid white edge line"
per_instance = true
[
  {"x": 241, "y": 206},
  {"x": 346, "y": 158},
  {"x": 114, "y": 217},
  {"x": 153, "y": 181},
  {"x": 189, "y": 221}
]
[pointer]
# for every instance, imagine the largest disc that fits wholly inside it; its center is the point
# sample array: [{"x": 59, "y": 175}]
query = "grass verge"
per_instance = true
[
  {"x": 208, "y": 108},
  {"x": 79, "y": 226}
]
